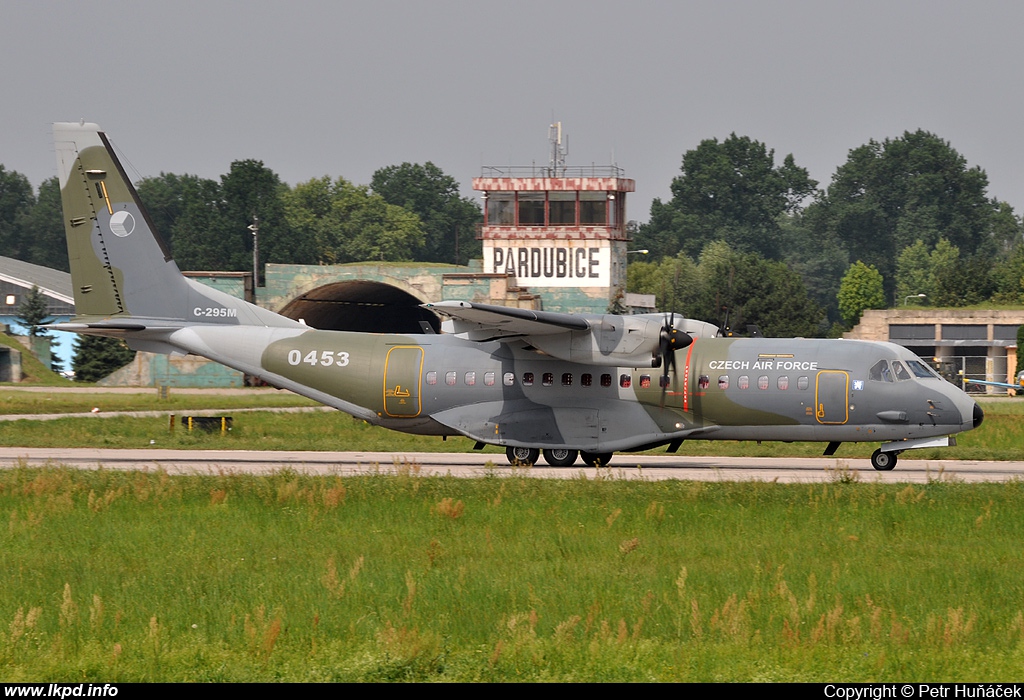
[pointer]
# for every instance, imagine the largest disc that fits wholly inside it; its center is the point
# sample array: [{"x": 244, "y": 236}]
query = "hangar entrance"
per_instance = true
[{"x": 363, "y": 306}]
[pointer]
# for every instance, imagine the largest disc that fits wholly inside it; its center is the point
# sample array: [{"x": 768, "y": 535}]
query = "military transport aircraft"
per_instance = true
[{"x": 531, "y": 381}]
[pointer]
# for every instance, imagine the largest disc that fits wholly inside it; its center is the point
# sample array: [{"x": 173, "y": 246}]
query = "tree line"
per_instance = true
[
  {"x": 408, "y": 212},
  {"x": 904, "y": 220},
  {"x": 742, "y": 239}
]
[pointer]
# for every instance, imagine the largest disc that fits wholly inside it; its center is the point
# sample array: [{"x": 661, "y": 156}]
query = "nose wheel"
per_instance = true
[{"x": 883, "y": 461}]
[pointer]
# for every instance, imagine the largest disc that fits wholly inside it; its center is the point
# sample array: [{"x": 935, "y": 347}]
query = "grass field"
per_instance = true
[
  {"x": 143, "y": 576},
  {"x": 15, "y": 402},
  {"x": 1001, "y": 436}
]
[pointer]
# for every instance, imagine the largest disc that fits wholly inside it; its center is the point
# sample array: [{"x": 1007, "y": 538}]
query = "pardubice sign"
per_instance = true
[{"x": 551, "y": 263}]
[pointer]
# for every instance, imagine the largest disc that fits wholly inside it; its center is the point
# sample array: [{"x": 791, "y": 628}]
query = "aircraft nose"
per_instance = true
[{"x": 979, "y": 415}]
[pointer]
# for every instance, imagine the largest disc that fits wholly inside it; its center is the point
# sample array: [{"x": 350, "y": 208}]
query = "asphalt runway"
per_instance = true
[{"x": 624, "y": 466}]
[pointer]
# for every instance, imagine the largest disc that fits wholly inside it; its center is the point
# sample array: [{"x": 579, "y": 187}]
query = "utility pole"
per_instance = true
[{"x": 255, "y": 228}]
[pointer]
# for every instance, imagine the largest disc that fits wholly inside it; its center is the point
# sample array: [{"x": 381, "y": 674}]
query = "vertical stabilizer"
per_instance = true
[{"x": 120, "y": 267}]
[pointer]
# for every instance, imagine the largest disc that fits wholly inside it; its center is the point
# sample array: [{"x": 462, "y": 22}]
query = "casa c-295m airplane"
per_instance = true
[{"x": 530, "y": 381}]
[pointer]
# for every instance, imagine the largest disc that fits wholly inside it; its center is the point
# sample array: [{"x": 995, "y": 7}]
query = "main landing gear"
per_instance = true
[
  {"x": 883, "y": 461},
  {"x": 556, "y": 457}
]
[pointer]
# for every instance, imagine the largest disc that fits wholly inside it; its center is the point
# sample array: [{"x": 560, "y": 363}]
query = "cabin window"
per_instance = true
[
  {"x": 783, "y": 383},
  {"x": 470, "y": 378},
  {"x": 449, "y": 378},
  {"x": 527, "y": 378},
  {"x": 567, "y": 379},
  {"x": 586, "y": 379},
  {"x": 548, "y": 379},
  {"x": 802, "y": 383},
  {"x": 880, "y": 372},
  {"x": 645, "y": 381},
  {"x": 723, "y": 382},
  {"x": 762, "y": 382},
  {"x": 625, "y": 381},
  {"x": 508, "y": 379},
  {"x": 703, "y": 382},
  {"x": 431, "y": 378},
  {"x": 743, "y": 382},
  {"x": 606, "y": 380},
  {"x": 488, "y": 378}
]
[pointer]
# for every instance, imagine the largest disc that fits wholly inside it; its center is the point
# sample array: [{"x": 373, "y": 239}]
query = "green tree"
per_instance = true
[
  {"x": 817, "y": 255},
  {"x": 197, "y": 232},
  {"x": 860, "y": 289},
  {"x": 32, "y": 312},
  {"x": 349, "y": 224},
  {"x": 888, "y": 195},
  {"x": 16, "y": 199},
  {"x": 168, "y": 196},
  {"x": 1008, "y": 279},
  {"x": 747, "y": 289},
  {"x": 95, "y": 357},
  {"x": 730, "y": 191},
  {"x": 674, "y": 282},
  {"x": 914, "y": 273},
  {"x": 42, "y": 229},
  {"x": 449, "y": 221},
  {"x": 251, "y": 189}
]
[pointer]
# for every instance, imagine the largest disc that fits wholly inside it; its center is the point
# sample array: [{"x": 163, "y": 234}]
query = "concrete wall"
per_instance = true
[{"x": 149, "y": 369}]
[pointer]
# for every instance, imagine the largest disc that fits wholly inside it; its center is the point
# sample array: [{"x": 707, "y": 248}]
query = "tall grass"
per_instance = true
[
  {"x": 144, "y": 576},
  {"x": 1001, "y": 436}
]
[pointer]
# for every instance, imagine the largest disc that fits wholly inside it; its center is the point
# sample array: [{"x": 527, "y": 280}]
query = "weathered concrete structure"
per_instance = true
[{"x": 561, "y": 231}]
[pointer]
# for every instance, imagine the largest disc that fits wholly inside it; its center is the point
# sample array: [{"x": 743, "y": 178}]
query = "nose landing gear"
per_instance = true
[{"x": 883, "y": 461}]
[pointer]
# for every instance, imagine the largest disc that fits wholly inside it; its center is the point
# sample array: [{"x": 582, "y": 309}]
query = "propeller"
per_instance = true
[{"x": 670, "y": 340}]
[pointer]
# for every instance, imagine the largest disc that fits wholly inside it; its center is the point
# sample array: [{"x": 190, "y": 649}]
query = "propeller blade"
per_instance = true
[{"x": 671, "y": 340}]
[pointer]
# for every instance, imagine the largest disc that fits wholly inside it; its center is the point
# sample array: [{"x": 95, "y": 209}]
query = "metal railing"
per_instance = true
[
  {"x": 548, "y": 171},
  {"x": 963, "y": 369}
]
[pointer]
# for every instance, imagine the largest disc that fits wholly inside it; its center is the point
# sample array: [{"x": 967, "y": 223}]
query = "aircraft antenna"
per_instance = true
[{"x": 559, "y": 150}]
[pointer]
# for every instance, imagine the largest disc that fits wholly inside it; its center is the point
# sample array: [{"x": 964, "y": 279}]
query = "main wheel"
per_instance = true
[
  {"x": 560, "y": 457},
  {"x": 596, "y": 459},
  {"x": 522, "y": 456},
  {"x": 883, "y": 461}
]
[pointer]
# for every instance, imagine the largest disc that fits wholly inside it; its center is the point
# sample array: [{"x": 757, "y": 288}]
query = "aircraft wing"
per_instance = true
[
  {"x": 634, "y": 341},
  {"x": 481, "y": 322}
]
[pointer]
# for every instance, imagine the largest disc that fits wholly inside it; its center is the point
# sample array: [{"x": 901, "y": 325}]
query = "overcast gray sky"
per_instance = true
[{"x": 343, "y": 88}]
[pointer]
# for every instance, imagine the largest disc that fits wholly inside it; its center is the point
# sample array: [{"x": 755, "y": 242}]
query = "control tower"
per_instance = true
[{"x": 559, "y": 230}]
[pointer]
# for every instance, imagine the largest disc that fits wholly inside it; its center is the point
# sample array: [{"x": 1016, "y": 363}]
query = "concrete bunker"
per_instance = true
[{"x": 362, "y": 306}]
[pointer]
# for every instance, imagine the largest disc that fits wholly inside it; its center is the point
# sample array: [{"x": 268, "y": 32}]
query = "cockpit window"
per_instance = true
[
  {"x": 921, "y": 370},
  {"x": 880, "y": 372},
  {"x": 901, "y": 371}
]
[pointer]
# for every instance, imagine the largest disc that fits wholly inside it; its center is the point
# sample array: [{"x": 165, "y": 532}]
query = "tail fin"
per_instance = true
[{"x": 122, "y": 271}]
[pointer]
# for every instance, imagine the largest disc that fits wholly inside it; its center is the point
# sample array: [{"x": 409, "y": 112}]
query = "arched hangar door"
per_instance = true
[{"x": 363, "y": 306}]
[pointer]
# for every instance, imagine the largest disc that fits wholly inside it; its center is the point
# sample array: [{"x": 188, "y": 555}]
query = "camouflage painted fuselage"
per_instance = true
[{"x": 726, "y": 388}]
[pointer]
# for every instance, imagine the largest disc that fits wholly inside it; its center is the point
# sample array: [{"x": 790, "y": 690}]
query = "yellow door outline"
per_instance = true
[
  {"x": 827, "y": 399},
  {"x": 402, "y": 373}
]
